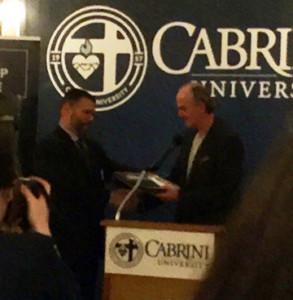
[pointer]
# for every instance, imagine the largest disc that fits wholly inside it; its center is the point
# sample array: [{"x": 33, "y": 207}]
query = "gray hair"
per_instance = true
[{"x": 201, "y": 93}]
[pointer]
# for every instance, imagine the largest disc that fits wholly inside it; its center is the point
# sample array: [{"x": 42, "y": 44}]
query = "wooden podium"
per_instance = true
[{"x": 156, "y": 261}]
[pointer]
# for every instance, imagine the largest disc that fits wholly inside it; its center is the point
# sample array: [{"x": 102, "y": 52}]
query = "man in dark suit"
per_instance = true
[
  {"x": 75, "y": 166},
  {"x": 207, "y": 174}
]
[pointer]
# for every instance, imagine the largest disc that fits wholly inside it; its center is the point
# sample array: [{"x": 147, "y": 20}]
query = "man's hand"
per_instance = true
[
  {"x": 169, "y": 192},
  {"x": 38, "y": 213},
  {"x": 118, "y": 196}
]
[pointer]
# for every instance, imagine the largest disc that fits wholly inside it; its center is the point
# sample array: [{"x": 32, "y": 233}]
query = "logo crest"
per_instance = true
[
  {"x": 126, "y": 250},
  {"x": 101, "y": 50}
]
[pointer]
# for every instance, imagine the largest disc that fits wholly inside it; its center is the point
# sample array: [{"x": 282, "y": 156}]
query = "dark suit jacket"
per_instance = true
[
  {"x": 31, "y": 269},
  {"x": 78, "y": 196},
  {"x": 208, "y": 195}
]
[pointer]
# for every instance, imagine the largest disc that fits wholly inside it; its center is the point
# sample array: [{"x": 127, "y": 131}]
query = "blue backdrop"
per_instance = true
[{"x": 240, "y": 49}]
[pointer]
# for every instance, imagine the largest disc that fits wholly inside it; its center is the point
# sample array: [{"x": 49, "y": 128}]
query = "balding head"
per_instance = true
[
  {"x": 195, "y": 105},
  {"x": 199, "y": 93}
]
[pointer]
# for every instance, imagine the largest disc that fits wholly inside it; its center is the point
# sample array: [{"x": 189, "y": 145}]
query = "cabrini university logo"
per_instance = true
[
  {"x": 101, "y": 50},
  {"x": 126, "y": 250}
]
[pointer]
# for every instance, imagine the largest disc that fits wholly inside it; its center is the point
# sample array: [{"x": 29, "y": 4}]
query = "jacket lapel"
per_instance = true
[
  {"x": 72, "y": 150},
  {"x": 202, "y": 152}
]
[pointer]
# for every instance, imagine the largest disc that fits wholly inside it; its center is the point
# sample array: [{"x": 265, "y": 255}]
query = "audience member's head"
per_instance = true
[
  {"x": 7, "y": 173},
  {"x": 254, "y": 260},
  {"x": 20, "y": 209},
  {"x": 7, "y": 177}
]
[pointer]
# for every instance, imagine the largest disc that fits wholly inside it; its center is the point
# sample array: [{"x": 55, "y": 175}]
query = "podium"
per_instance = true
[{"x": 156, "y": 261}]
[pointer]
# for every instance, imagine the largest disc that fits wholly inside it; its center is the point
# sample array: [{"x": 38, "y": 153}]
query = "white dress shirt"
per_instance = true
[{"x": 194, "y": 148}]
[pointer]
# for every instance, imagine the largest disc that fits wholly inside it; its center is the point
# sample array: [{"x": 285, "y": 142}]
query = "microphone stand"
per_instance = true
[
  {"x": 177, "y": 140},
  {"x": 131, "y": 192}
]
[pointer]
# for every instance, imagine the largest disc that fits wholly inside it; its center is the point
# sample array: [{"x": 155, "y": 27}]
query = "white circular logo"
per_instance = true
[
  {"x": 101, "y": 50},
  {"x": 126, "y": 250}
]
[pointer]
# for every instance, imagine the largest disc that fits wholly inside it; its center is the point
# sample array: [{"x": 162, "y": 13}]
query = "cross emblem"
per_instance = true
[
  {"x": 115, "y": 42},
  {"x": 130, "y": 246}
]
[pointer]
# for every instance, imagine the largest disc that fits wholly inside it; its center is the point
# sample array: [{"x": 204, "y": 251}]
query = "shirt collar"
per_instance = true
[{"x": 71, "y": 133}]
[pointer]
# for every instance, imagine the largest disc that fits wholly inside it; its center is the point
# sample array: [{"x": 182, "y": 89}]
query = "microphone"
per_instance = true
[{"x": 177, "y": 141}]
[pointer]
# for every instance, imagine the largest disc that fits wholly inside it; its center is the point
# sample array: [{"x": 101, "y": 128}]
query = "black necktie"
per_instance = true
[
  {"x": 83, "y": 149},
  {"x": 81, "y": 144}
]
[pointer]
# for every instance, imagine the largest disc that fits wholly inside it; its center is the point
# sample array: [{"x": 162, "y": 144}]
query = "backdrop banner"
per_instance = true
[{"x": 134, "y": 55}]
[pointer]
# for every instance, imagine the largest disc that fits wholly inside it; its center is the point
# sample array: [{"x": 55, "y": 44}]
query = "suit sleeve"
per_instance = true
[
  {"x": 109, "y": 165},
  {"x": 49, "y": 164}
]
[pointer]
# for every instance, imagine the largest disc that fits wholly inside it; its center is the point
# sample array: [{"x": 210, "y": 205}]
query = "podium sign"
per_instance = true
[
  {"x": 158, "y": 253},
  {"x": 157, "y": 261}
]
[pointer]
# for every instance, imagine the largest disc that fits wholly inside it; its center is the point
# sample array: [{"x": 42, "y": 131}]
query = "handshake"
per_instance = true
[{"x": 25, "y": 206}]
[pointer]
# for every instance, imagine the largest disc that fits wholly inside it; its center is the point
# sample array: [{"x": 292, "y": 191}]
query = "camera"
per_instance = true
[{"x": 17, "y": 210}]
